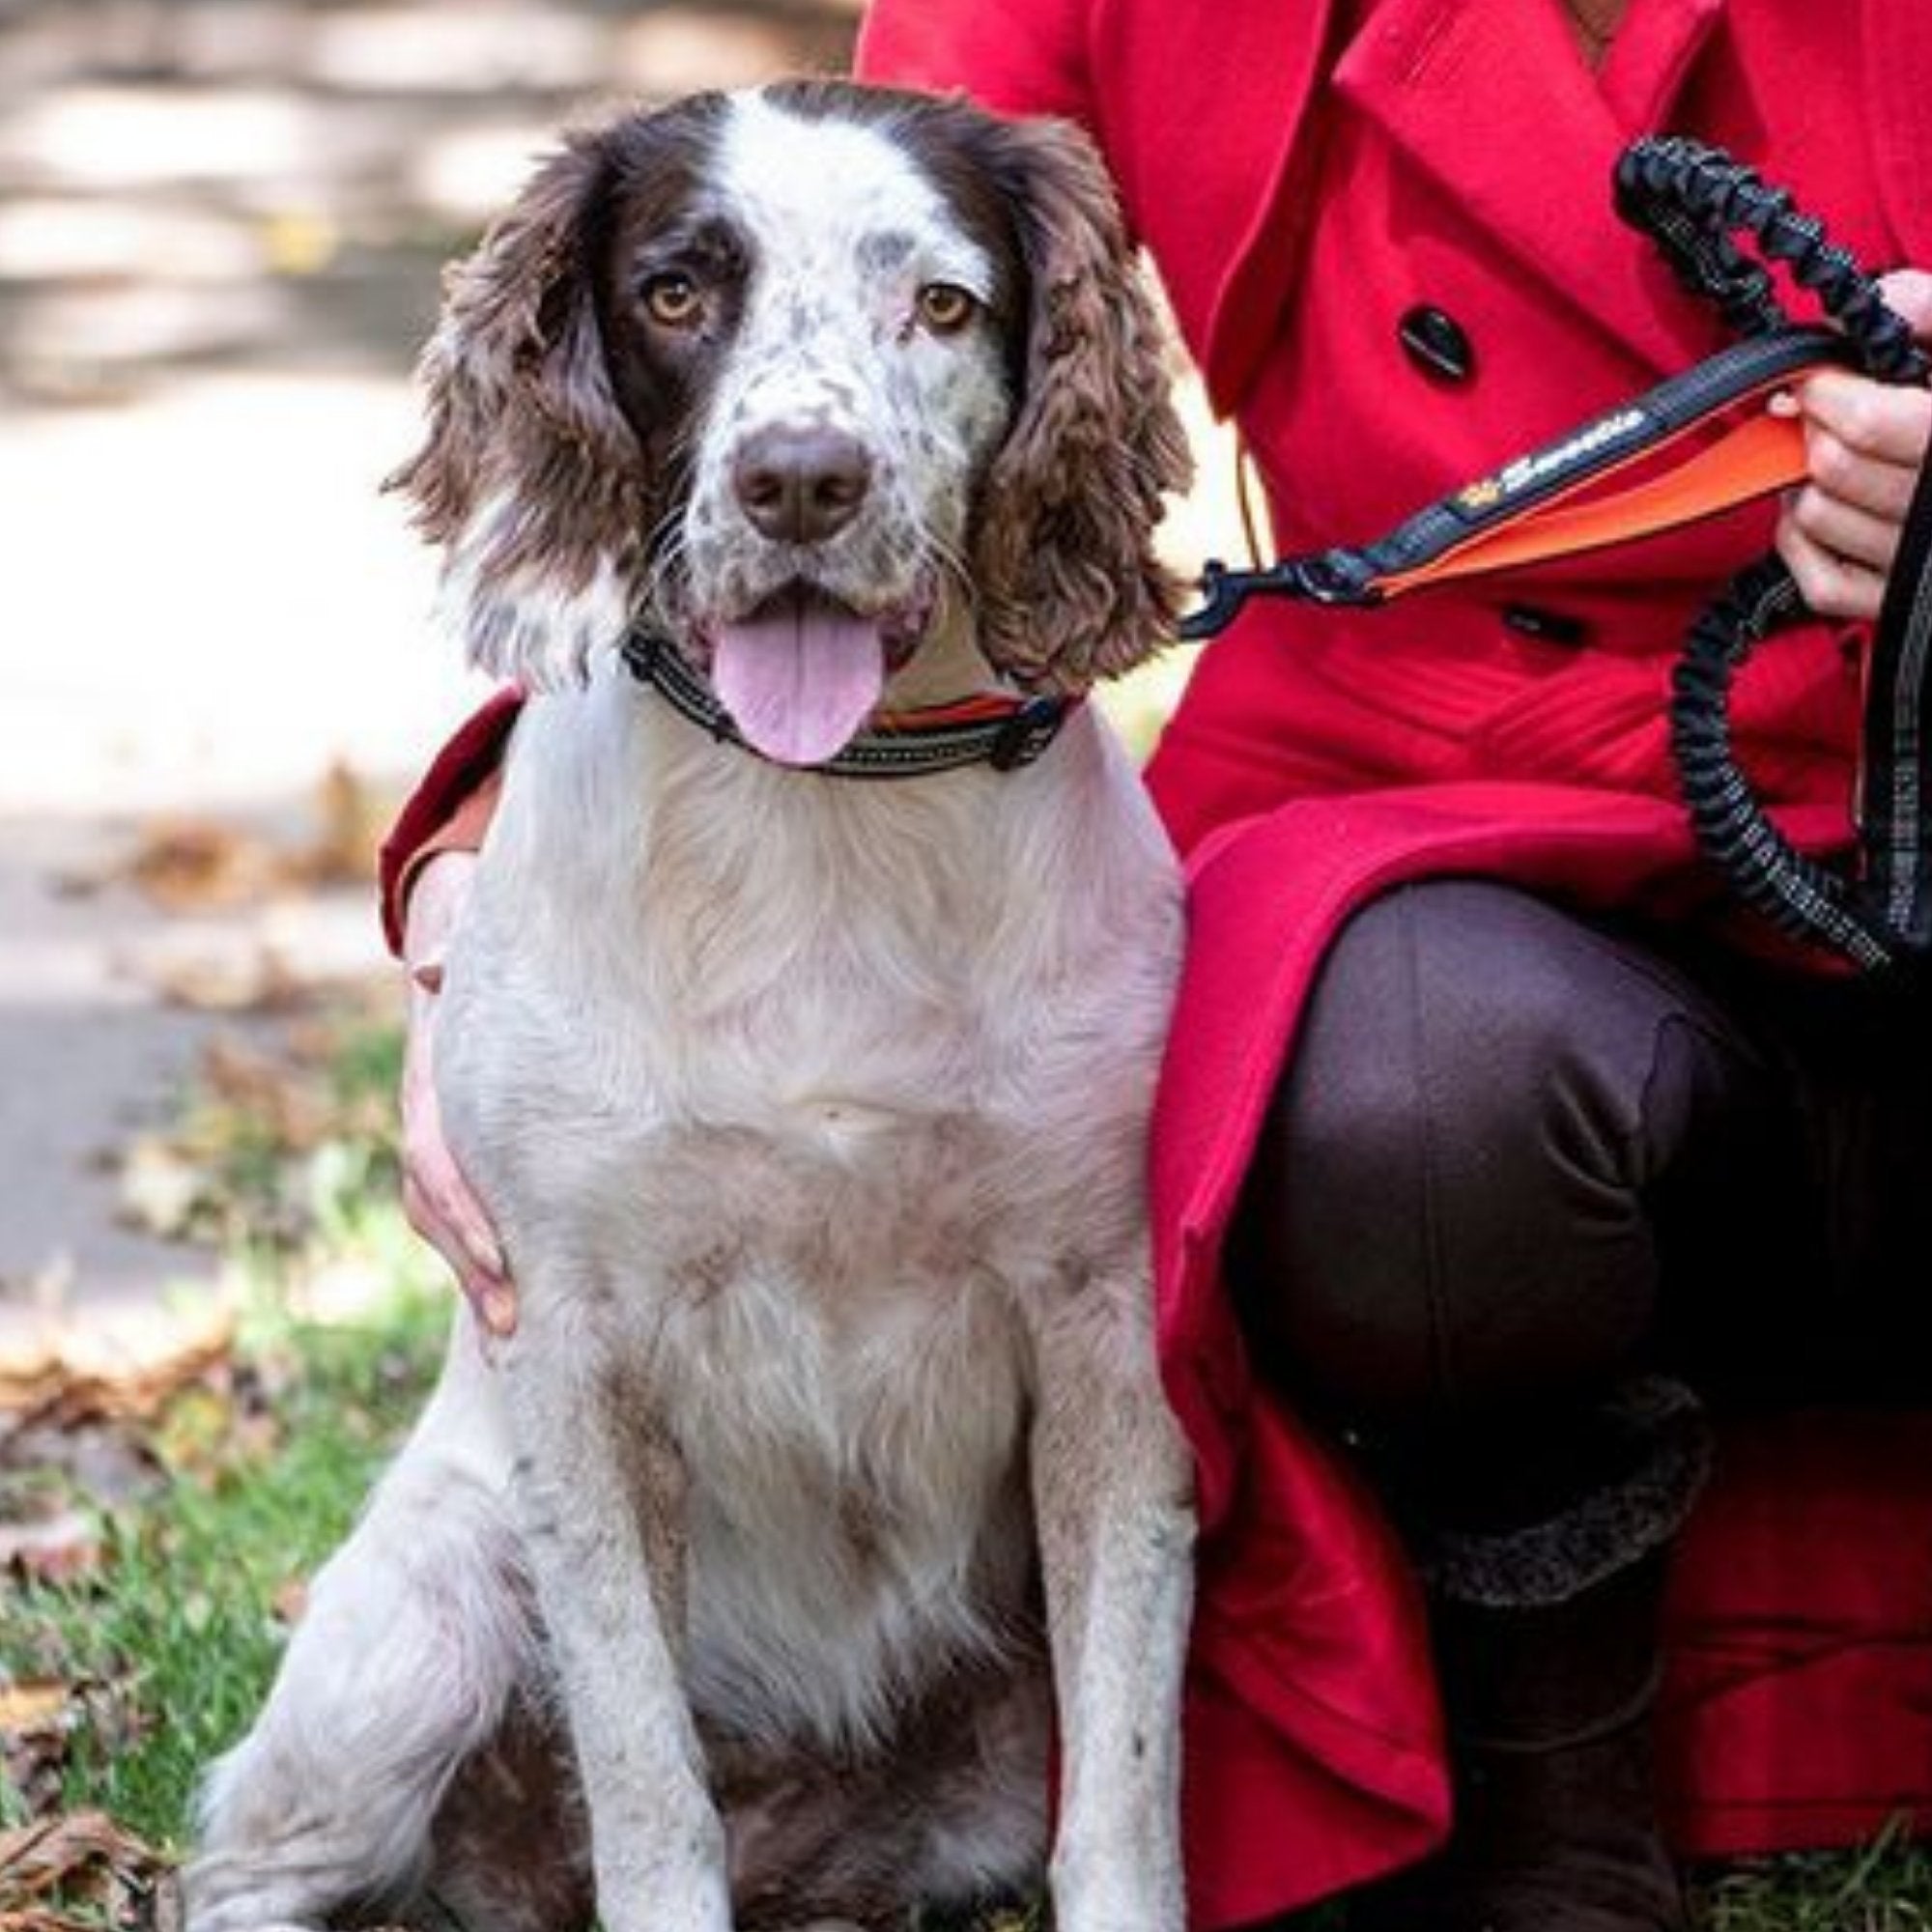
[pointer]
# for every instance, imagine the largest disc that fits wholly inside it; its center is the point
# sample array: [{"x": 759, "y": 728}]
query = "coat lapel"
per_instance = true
[
  {"x": 1221, "y": 98},
  {"x": 1490, "y": 100}
]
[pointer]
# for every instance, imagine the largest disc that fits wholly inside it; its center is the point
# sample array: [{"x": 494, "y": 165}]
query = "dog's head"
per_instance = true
[{"x": 800, "y": 376}]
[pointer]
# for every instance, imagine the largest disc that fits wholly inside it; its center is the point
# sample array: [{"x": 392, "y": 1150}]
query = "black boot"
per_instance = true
[{"x": 1555, "y": 1826}]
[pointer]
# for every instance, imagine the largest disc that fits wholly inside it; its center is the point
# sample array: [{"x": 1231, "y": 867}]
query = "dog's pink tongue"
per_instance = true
[{"x": 799, "y": 679}]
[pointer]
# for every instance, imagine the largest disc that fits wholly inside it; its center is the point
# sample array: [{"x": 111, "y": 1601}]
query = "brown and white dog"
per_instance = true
[{"x": 740, "y": 1587}]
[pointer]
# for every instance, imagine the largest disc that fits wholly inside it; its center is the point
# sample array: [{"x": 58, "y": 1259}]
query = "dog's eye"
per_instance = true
[
  {"x": 945, "y": 308},
  {"x": 673, "y": 299}
]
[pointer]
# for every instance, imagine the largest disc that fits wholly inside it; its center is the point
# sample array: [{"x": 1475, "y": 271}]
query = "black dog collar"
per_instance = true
[{"x": 999, "y": 731}]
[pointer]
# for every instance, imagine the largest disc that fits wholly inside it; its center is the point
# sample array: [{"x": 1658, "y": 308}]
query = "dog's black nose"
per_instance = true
[{"x": 800, "y": 484}]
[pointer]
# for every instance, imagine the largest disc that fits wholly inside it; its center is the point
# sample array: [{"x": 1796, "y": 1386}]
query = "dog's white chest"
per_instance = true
[
  {"x": 847, "y": 1384},
  {"x": 816, "y": 1111}
]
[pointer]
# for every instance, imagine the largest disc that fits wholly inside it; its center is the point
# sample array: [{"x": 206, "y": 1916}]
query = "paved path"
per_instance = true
[{"x": 208, "y": 607}]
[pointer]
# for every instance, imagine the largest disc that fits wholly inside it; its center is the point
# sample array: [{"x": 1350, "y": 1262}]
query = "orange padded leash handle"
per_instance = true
[
  {"x": 1554, "y": 502},
  {"x": 1756, "y": 457}
]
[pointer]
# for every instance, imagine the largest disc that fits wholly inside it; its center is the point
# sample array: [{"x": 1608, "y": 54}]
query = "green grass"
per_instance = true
[
  {"x": 1884, "y": 1888},
  {"x": 173, "y": 1637},
  {"x": 167, "y": 1642}
]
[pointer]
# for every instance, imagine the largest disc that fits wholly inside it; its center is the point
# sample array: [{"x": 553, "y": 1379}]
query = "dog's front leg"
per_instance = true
[
  {"x": 1112, "y": 1489},
  {"x": 601, "y": 1488}
]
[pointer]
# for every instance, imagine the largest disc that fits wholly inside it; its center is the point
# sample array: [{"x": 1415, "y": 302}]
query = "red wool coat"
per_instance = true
[{"x": 1308, "y": 173}]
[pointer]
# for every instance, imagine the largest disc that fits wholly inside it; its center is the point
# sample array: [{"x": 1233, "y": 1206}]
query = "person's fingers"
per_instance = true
[
  {"x": 440, "y": 1204},
  {"x": 1852, "y": 535},
  {"x": 498, "y": 1307},
  {"x": 1832, "y": 586},
  {"x": 1907, "y": 293},
  {"x": 462, "y": 1219},
  {"x": 437, "y": 1199},
  {"x": 1855, "y": 425},
  {"x": 1864, "y": 442},
  {"x": 465, "y": 1243}
]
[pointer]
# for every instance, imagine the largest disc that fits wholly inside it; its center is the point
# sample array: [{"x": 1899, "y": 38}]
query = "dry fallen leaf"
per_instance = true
[
  {"x": 209, "y": 1430},
  {"x": 197, "y": 865},
  {"x": 46, "y": 1464},
  {"x": 351, "y": 821},
  {"x": 277, "y": 1092},
  {"x": 161, "y": 1187},
  {"x": 37, "y": 1723},
  {"x": 33, "y": 1762},
  {"x": 27, "y": 1707},
  {"x": 120, "y": 1364},
  {"x": 63, "y": 1874},
  {"x": 254, "y": 978},
  {"x": 58, "y": 1549}
]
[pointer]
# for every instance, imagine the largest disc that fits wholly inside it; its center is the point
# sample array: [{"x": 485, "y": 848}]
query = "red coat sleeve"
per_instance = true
[{"x": 462, "y": 769}]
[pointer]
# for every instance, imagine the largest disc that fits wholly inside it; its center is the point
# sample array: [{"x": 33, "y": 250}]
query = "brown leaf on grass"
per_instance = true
[
  {"x": 207, "y": 1432},
  {"x": 188, "y": 863},
  {"x": 58, "y": 1549},
  {"x": 232, "y": 1167},
  {"x": 44, "y": 1466},
  {"x": 250, "y": 979},
  {"x": 350, "y": 820},
  {"x": 63, "y": 1874},
  {"x": 40, "y": 1718},
  {"x": 37, "y": 1721},
  {"x": 29, "y": 1706},
  {"x": 124, "y": 1364},
  {"x": 278, "y": 1092},
  {"x": 201, "y": 864},
  {"x": 33, "y": 1762}
]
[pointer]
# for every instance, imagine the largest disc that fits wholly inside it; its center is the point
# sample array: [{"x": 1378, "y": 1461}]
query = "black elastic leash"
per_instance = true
[
  {"x": 1695, "y": 202},
  {"x": 1879, "y": 914}
]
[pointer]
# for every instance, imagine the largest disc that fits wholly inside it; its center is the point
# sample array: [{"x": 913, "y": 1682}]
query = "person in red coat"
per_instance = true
[{"x": 1479, "y": 1146}]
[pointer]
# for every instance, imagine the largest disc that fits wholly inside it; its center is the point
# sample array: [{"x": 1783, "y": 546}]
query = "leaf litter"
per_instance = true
[
  {"x": 101, "y": 1413},
  {"x": 81, "y": 1872}
]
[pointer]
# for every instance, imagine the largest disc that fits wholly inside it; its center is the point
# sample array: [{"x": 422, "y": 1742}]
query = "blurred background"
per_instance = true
[{"x": 221, "y": 224}]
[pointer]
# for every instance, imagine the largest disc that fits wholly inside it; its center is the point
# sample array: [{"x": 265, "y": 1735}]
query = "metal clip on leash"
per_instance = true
[{"x": 1568, "y": 496}]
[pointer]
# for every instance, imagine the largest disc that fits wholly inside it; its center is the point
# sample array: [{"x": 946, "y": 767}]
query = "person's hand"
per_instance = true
[
  {"x": 1863, "y": 444},
  {"x": 440, "y": 1204}
]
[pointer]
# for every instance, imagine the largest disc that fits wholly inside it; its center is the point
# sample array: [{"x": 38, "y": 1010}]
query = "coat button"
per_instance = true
[
  {"x": 1436, "y": 343},
  {"x": 1553, "y": 627}
]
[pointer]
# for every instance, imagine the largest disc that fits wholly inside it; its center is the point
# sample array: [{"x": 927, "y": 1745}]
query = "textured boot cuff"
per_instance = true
[{"x": 1667, "y": 1457}]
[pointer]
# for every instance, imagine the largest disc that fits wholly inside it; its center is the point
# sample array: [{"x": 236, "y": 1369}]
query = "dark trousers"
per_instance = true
[{"x": 1528, "y": 1179}]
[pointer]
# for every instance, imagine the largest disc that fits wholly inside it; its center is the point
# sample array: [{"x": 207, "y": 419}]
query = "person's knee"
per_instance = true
[{"x": 1445, "y": 1208}]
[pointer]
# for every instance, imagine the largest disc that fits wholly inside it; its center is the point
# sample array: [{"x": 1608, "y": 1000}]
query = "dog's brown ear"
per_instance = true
[
  {"x": 1071, "y": 588},
  {"x": 530, "y": 479}
]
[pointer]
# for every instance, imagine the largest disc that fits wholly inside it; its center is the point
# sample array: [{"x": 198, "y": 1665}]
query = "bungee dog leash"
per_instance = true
[{"x": 1606, "y": 482}]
